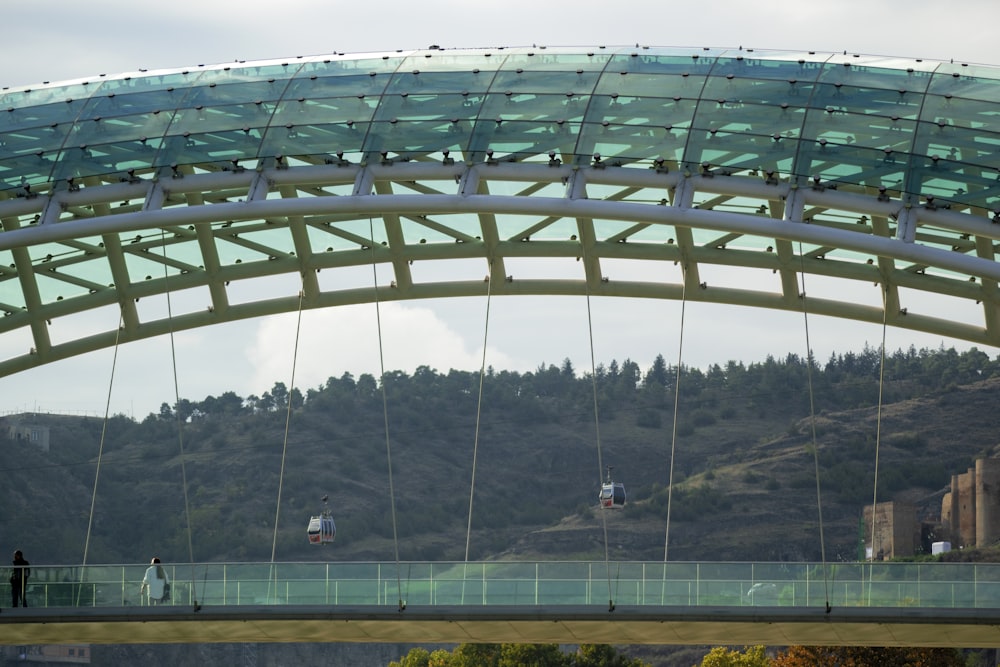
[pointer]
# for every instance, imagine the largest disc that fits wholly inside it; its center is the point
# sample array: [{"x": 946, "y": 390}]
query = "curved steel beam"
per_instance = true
[{"x": 77, "y": 251}]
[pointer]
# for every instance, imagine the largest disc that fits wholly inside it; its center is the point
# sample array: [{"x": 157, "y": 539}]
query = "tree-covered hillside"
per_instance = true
[{"x": 742, "y": 457}]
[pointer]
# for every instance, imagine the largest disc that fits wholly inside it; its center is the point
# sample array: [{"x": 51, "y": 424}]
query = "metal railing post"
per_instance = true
[
  {"x": 590, "y": 582},
  {"x": 536, "y": 584}
]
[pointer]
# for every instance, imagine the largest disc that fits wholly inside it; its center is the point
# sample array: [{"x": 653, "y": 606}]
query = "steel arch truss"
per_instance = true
[{"x": 440, "y": 228}]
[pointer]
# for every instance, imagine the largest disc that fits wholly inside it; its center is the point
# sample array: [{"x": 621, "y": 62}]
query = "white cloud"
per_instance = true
[{"x": 338, "y": 340}]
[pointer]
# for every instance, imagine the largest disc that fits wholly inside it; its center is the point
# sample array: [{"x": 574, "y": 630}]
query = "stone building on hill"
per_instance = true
[
  {"x": 970, "y": 511},
  {"x": 897, "y": 533},
  {"x": 26, "y": 428},
  {"x": 970, "y": 517}
]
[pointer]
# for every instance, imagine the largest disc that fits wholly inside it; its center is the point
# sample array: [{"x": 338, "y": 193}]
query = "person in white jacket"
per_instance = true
[{"x": 154, "y": 583}]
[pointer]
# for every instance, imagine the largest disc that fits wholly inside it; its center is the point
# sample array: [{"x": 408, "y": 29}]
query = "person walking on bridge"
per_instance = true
[
  {"x": 155, "y": 583},
  {"x": 19, "y": 574}
]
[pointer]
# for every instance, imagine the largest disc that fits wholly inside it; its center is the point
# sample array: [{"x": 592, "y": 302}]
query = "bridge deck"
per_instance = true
[
  {"x": 776, "y": 604},
  {"x": 968, "y": 628}
]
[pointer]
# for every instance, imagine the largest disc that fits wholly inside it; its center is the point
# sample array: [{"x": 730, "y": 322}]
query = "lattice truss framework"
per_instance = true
[{"x": 570, "y": 193}]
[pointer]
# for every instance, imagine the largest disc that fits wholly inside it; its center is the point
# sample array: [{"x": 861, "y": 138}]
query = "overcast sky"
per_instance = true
[{"x": 53, "y": 40}]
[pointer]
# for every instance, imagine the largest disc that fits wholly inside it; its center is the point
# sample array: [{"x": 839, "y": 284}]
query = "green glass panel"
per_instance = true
[
  {"x": 322, "y": 87},
  {"x": 219, "y": 118},
  {"x": 888, "y": 74},
  {"x": 556, "y": 59},
  {"x": 657, "y": 62},
  {"x": 25, "y": 170},
  {"x": 757, "y": 66},
  {"x": 158, "y": 81},
  {"x": 49, "y": 117},
  {"x": 539, "y": 108},
  {"x": 739, "y": 90},
  {"x": 416, "y": 137},
  {"x": 975, "y": 115},
  {"x": 144, "y": 103},
  {"x": 407, "y": 107},
  {"x": 436, "y": 82},
  {"x": 645, "y": 111},
  {"x": 117, "y": 130},
  {"x": 866, "y": 101},
  {"x": 545, "y": 82},
  {"x": 965, "y": 82},
  {"x": 325, "y": 111},
  {"x": 51, "y": 95},
  {"x": 314, "y": 139}
]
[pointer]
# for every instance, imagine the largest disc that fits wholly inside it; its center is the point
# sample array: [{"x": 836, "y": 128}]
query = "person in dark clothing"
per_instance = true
[{"x": 19, "y": 574}]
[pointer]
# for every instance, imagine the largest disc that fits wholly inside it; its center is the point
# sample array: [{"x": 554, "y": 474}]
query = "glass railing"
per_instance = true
[{"x": 526, "y": 584}]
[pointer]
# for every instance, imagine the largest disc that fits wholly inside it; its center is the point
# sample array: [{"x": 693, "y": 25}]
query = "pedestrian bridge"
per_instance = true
[
  {"x": 646, "y": 173},
  {"x": 777, "y": 604}
]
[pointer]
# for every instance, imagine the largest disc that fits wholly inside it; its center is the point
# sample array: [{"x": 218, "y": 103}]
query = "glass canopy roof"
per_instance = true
[
  {"x": 917, "y": 128},
  {"x": 211, "y": 183}
]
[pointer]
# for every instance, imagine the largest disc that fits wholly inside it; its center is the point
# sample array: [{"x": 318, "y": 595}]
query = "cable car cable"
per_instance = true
[
  {"x": 385, "y": 416},
  {"x": 812, "y": 422}
]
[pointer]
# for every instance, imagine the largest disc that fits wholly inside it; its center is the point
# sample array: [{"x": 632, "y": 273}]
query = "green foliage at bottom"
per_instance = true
[
  {"x": 753, "y": 656},
  {"x": 517, "y": 655}
]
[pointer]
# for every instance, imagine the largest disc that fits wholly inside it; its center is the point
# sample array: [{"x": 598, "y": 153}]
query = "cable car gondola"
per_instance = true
[
  {"x": 321, "y": 527},
  {"x": 612, "y": 494}
]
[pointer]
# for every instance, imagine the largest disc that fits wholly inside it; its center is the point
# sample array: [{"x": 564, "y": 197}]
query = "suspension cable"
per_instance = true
[
  {"x": 812, "y": 422},
  {"x": 100, "y": 447},
  {"x": 479, "y": 410},
  {"x": 878, "y": 435},
  {"x": 284, "y": 444},
  {"x": 597, "y": 420},
  {"x": 673, "y": 434},
  {"x": 600, "y": 463},
  {"x": 385, "y": 418},
  {"x": 475, "y": 445},
  {"x": 177, "y": 413}
]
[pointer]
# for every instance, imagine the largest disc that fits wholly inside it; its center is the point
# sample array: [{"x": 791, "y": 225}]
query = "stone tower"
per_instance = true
[{"x": 896, "y": 530}]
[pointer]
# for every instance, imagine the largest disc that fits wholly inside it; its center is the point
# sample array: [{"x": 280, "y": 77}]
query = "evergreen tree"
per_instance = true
[{"x": 657, "y": 374}]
